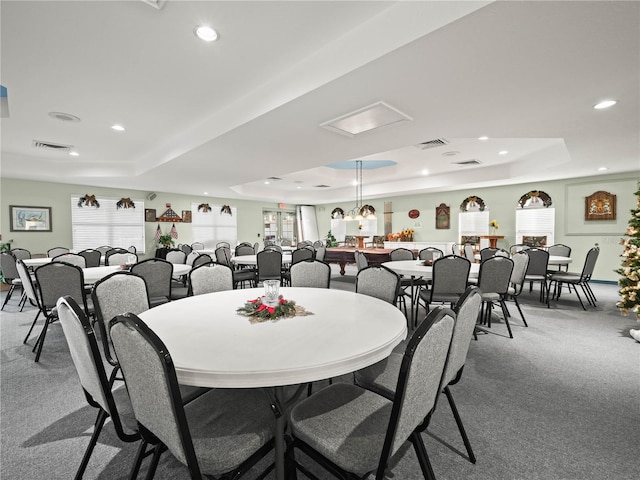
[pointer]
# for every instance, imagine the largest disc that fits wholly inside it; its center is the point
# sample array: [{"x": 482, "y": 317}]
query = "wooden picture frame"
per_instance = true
[
  {"x": 29, "y": 219},
  {"x": 600, "y": 205},
  {"x": 443, "y": 217},
  {"x": 186, "y": 216},
  {"x": 149, "y": 214}
]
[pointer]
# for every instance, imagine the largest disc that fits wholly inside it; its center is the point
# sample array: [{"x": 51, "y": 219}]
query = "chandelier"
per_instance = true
[{"x": 360, "y": 211}]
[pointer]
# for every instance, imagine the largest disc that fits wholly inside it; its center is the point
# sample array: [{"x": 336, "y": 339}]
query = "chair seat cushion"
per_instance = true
[
  {"x": 535, "y": 278},
  {"x": 345, "y": 423},
  {"x": 228, "y": 426},
  {"x": 564, "y": 277}
]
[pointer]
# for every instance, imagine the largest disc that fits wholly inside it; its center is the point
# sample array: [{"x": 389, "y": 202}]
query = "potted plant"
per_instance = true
[{"x": 166, "y": 241}]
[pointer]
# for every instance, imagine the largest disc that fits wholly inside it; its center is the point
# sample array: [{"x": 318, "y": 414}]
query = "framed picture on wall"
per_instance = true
[
  {"x": 186, "y": 216},
  {"x": 149, "y": 214},
  {"x": 443, "y": 216},
  {"x": 29, "y": 219},
  {"x": 600, "y": 205}
]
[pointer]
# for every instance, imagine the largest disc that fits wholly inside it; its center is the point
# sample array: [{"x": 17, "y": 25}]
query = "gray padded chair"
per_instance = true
[
  {"x": 55, "y": 251},
  {"x": 186, "y": 249},
  {"x": 28, "y": 285},
  {"x": 320, "y": 252},
  {"x": 537, "y": 271},
  {"x": 560, "y": 250},
  {"x": 244, "y": 249},
  {"x": 353, "y": 432},
  {"x": 157, "y": 273},
  {"x": 111, "y": 404},
  {"x": 176, "y": 257},
  {"x": 361, "y": 260},
  {"x": 407, "y": 283},
  {"x": 298, "y": 255},
  {"x": 191, "y": 258},
  {"x": 210, "y": 277},
  {"x": 10, "y": 274},
  {"x": 223, "y": 244},
  {"x": 383, "y": 376},
  {"x": 311, "y": 273},
  {"x": 201, "y": 260},
  {"x": 493, "y": 281},
  {"x": 104, "y": 249},
  {"x": 21, "y": 253},
  {"x": 114, "y": 251},
  {"x": 223, "y": 432},
  {"x": 269, "y": 264},
  {"x": 55, "y": 280},
  {"x": 115, "y": 294},
  {"x": 520, "y": 264},
  {"x": 223, "y": 256},
  {"x": 448, "y": 281},
  {"x": 91, "y": 257},
  {"x": 197, "y": 246},
  {"x": 469, "y": 252},
  {"x": 380, "y": 282},
  {"x": 71, "y": 259},
  {"x": 427, "y": 253},
  {"x": 121, "y": 259},
  {"x": 578, "y": 279}
]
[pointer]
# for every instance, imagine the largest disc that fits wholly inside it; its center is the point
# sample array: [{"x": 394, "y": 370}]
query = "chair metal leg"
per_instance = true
[
  {"x": 506, "y": 317},
  {"x": 463, "y": 433},
  {"x": 515, "y": 299},
  {"x": 154, "y": 461},
  {"x": 40, "y": 342},
  {"x": 423, "y": 458},
  {"x": 140, "y": 454},
  {"x": 33, "y": 324},
  {"x": 102, "y": 416},
  {"x": 6, "y": 299}
]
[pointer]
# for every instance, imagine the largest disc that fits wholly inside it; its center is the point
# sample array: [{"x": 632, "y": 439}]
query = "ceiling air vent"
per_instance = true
[
  {"x": 274, "y": 178},
  {"x": 468, "y": 162},
  {"x": 51, "y": 146},
  {"x": 438, "y": 142},
  {"x": 321, "y": 186}
]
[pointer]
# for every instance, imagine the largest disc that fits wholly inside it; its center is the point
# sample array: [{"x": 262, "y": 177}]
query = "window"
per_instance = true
[
  {"x": 107, "y": 225},
  {"x": 214, "y": 226},
  {"x": 473, "y": 224},
  {"x": 535, "y": 226}
]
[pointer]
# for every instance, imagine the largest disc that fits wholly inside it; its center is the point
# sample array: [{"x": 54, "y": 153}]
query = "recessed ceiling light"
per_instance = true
[
  {"x": 604, "y": 104},
  {"x": 425, "y": 172},
  {"x": 206, "y": 33},
  {"x": 503, "y": 152},
  {"x": 206, "y": 193},
  {"x": 602, "y": 169},
  {"x": 483, "y": 138},
  {"x": 354, "y": 182},
  {"x": 117, "y": 128},
  {"x": 266, "y": 183},
  {"x": 76, "y": 154},
  {"x": 298, "y": 187}
]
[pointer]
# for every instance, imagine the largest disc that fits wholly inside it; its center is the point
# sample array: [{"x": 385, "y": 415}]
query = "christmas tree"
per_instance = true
[{"x": 630, "y": 272}]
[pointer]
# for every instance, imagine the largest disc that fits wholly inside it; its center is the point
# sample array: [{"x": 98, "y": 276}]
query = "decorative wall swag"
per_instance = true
[
  {"x": 337, "y": 213},
  {"x": 204, "y": 207},
  {"x": 533, "y": 198},
  {"x": 367, "y": 210},
  {"x": 226, "y": 209},
  {"x": 125, "y": 203},
  {"x": 89, "y": 201},
  {"x": 471, "y": 203}
]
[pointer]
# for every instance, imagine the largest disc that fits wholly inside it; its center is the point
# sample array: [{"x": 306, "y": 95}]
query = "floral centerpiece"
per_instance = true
[
  {"x": 494, "y": 225},
  {"x": 405, "y": 235},
  {"x": 258, "y": 311}
]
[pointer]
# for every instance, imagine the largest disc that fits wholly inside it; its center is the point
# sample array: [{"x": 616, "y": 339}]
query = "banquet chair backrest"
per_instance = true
[
  {"x": 27, "y": 282},
  {"x": 487, "y": 253},
  {"x": 301, "y": 254},
  {"x": 469, "y": 252},
  {"x": 191, "y": 257},
  {"x": 467, "y": 311},
  {"x": 71, "y": 259},
  {"x": 118, "y": 293},
  {"x": 223, "y": 256},
  {"x": 91, "y": 257},
  {"x": 157, "y": 274},
  {"x": 8, "y": 266},
  {"x": 455, "y": 249},
  {"x": 449, "y": 276},
  {"x": 210, "y": 277},
  {"x": 538, "y": 261},
  {"x": 269, "y": 265},
  {"x": 361, "y": 260},
  {"x": 427, "y": 253},
  {"x": 197, "y": 246},
  {"x": 55, "y": 251},
  {"x": 559, "y": 250},
  {"x": 87, "y": 360},
  {"x": 495, "y": 275},
  {"x": 590, "y": 263},
  {"x": 21, "y": 253},
  {"x": 244, "y": 250},
  {"x": 401, "y": 254},
  {"x": 311, "y": 273},
  {"x": 320, "y": 253},
  {"x": 520, "y": 264},
  {"x": 58, "y": 279},
  {"x": 380, "y": 282},
  {"x": 104, "y": 249},
  {"x": 186, "y": 249},
  {"x": 273, "y": 246},
  {"x": 201, "y": 260},
  {"x": 121, "y": 259},
  {"x": 223, "y": 244},
  {"x": 176, "y": 257},
  {"x": 114, "y": 251},
  {"x": 420, "y": 378}
]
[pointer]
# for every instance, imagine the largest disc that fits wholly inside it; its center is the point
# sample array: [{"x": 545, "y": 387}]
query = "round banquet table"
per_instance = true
[{"x": 213, "y": 346}]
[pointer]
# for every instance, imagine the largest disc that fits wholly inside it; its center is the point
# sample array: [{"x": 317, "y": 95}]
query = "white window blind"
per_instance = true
[
  {"x": 536, "y": 222},
  {"x": 108, "y": 225},
  {"x": 473, "y": 223},
  {"x": 213, "y": 226}
]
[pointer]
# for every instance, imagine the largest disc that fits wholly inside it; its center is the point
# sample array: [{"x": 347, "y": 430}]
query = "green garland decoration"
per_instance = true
[{"x": 261, "y": 312}]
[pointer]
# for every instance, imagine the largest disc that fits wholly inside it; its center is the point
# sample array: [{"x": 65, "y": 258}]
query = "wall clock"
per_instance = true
[{"x": 414, "y": 213}]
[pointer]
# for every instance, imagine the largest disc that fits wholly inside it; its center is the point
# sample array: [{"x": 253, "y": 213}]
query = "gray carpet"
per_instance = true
[{"x": 559, "y": 401}]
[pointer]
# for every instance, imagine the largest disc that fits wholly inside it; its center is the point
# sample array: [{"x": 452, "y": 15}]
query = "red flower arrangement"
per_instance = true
[{"x": 260, "y": 312}]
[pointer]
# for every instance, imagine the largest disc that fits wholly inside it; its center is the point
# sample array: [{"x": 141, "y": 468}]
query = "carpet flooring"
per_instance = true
[{"x": 560, "y": 401}]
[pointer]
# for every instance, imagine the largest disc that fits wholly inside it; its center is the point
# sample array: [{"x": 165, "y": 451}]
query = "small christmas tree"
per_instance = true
[{"x": 630, "y": 272}]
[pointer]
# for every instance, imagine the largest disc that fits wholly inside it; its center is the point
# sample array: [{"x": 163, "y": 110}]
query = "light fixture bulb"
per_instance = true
[
  {"x": 117, "y": 128},
  {"x": 604, "y": 104},
  {"x": 74, "y": 153},
  {"x": 503, "y": 152},
  {"x": 483, "y": 138},
  {"x": 206, "y": 33}
]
